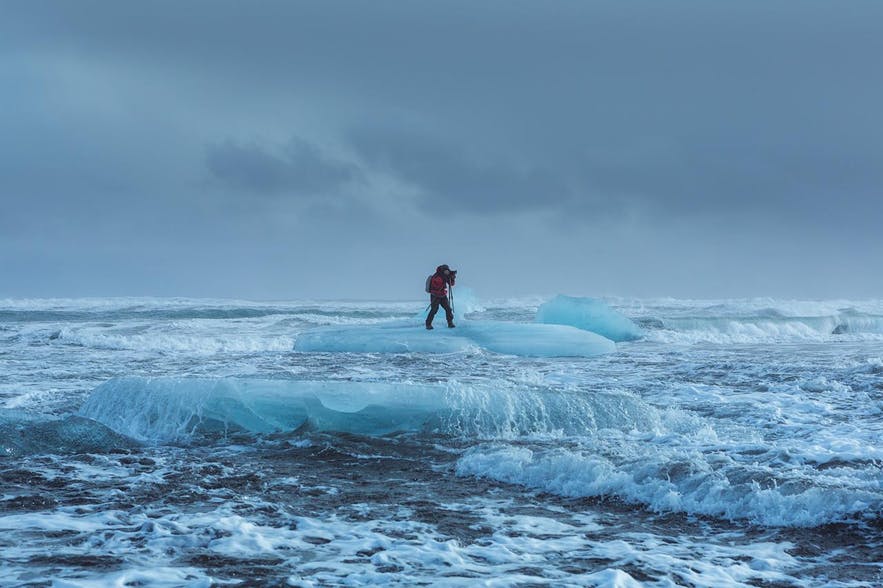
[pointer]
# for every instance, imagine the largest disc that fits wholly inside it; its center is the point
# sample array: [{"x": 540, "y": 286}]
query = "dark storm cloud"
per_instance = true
[
  {"x": 298, "y": 169},
  {"x": 450, "y": 179},
  {"x": 752, "y": 174},
  {"x": 674, "y": 108}
]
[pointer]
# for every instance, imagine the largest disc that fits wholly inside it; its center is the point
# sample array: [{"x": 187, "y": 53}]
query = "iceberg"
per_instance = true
[
  {"x": 588, "y": 314},
  {"x": 175, "y": 410},
  {"x": 523, "y": 339}
]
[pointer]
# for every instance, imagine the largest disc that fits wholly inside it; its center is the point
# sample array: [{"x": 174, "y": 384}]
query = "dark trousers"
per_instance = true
[{"x": 434, "y": 303}]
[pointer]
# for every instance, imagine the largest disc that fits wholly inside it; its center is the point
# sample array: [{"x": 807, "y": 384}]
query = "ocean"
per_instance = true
[{"x": 185, "y": 442}]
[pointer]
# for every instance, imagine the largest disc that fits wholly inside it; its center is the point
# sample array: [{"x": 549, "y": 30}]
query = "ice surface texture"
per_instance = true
[
  {"x": 531, "y": 340},
  {"x": 588, "y": 314},
  {"x": 179, "y": 409},
  {"x": 23, "y": 434},
  {"x": 174, "y": 409}
]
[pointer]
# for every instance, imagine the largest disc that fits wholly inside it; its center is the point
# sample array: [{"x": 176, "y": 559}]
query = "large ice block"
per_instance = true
[
  {"x": 534, "y": 340},
  {"x": 589, "y": 314},
  {"x": 163, "y": 410}
]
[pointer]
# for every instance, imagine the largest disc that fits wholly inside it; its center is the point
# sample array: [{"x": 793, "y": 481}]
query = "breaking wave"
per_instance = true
[
  {"x": 748, "y": 322},
  {"x": 710, "y": 484},
  {"x": 170, "y": 340}
]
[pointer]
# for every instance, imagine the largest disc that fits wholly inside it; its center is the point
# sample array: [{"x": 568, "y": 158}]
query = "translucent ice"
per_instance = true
[
  {"x": 23, "y": 434},
  {"x": 588, "y": 314},
  {"x": 534, "y": 340},
  {"x": 178, "y": 409},
  {"x": 168, "y": 409}
]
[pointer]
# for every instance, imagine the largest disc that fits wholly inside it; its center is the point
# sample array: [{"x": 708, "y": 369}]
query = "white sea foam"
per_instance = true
[
  {"x": 154, "y": 576},
  {"x": 759, "y": 330},
  {"x": 335, "y": 550},
  {"x": 173, "y": 339},
  {"x": 756, "y": 320},
  {"x": 684, "y": 480}
]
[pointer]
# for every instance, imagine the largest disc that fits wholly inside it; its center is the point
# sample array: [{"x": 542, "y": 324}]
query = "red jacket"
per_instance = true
[{"x": 438, "y": 285}]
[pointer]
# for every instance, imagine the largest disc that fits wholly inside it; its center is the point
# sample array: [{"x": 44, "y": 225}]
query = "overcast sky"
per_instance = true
[{"x": 344, "y": 149}]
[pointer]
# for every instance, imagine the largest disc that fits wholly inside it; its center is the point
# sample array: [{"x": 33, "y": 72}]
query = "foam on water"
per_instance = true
[
  {"x": 175, "y": 338},
  {"x": 762, "y": 330},
  {"x": 335, "y": 550},
  {"x": 691, "y": 482},
  {"x": 169, "y": 442},
  {"x": 756, "y": 321}
]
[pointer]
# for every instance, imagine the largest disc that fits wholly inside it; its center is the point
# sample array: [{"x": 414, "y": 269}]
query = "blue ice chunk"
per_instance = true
[
  {"x": 26, "y": 434},
  {"x": 163, "y": 410},
  {"x": 176, "y": 409},
  {"x": 589, "y": 314},
  {"x": 523, "y": 339}
]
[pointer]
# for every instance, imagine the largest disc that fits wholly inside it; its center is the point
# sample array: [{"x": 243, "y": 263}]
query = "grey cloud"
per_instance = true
[
  {"x": 298, "y": 169},
  {"x": 754, "y": 124},
  {"x": 764, "y": 106},
  {"x": 774, "y": 176},
  {"x": 450, "y": 179},
  {"x": 751, "y": 173}
]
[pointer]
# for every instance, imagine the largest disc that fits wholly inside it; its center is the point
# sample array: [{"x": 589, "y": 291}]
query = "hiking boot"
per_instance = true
[
  {"x": 451, "y": 325},
  {"x": 428, "y": 327}
]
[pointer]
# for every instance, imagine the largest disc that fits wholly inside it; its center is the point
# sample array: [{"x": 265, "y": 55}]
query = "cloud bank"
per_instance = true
[{"x": 292, "y": 149}]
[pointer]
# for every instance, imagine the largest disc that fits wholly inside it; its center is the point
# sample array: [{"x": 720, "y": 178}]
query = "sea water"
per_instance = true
[{"x": 168, "y": 442}]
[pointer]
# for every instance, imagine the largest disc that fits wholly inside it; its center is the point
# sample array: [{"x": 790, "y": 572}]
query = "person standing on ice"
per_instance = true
[{"x": 437, "y": 286}]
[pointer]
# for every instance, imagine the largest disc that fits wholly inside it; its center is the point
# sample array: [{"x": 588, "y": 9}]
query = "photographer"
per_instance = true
[{"x": 437, "y": 286}]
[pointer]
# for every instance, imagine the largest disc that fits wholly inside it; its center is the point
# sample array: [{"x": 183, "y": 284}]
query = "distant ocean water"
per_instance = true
[{"x": 168, "y": 442}]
